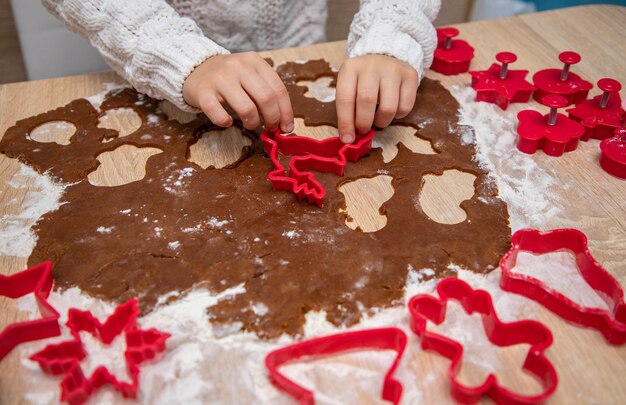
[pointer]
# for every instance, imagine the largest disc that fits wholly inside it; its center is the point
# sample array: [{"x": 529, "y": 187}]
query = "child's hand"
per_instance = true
[
  {"x": 368, "y": 80},
  {"x": 247, "y": 84}
]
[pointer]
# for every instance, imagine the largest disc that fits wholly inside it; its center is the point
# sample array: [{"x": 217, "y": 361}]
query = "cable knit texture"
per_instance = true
[{"x": 156, "y": 44}]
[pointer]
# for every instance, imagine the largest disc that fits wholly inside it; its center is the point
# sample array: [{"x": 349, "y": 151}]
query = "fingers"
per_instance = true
[
  {"x": 264, "y": 98},
  {"x": 213, "y": 109},
  {"x": 389, "y": 95},
  {"x": 242, "y": 104},
  {"x": 345, "y": 101},
  {"x": 366, "y": 99},
  {"x": 408, "y": 92},
  {"x": 281, "y": 95}
]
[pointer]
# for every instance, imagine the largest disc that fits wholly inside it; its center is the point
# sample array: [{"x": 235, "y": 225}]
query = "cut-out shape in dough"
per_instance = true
[
  {"x": 320, "y": 132},
  {"x": 389, "y": 138},
  {"x": 319, "y": 89},
  {"x": 54, "y": 131},
  {"x": 123, "y": 120},
  {"x": 364, "y": 197},
  {"x": 123, "y": 165},
  {"x": 218, "y": 148},
  {"x": 174, "y": 113},
  {"x": 441, "y": 196}
]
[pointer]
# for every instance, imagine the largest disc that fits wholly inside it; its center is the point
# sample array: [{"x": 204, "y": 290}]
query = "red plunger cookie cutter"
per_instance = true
[
  {"x": 452, "y": 56},
  {"x": 602, "y": 114},
  {"x": 613, "y": 154},
  {"x": 612, "y": 323},
  {"x": 65, "y": 357},
  {"x": 36, "y": 280},
  {"x": 562, "y": 82},
  {"x": 329, "y": 155},
  {"x": 554, "y": 132},
  {"x": 425, "y": 308},
  {"x": 380, "y": 339},
  {"x": 500, "y": 85}
]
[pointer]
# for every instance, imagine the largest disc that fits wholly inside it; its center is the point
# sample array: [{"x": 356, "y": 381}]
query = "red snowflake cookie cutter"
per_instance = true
[
  {"x": 612, "y": 323},
  {"x": 64, "y": 358},
  {"x": 452, "y": 56},
  {"x": 37, "y": 280},
  {"x": 329, "y": 155},
  {"x": 381, "y": 339},
  {"x": 601, "y": 115},
  {"x": 424, "y": 308},
  {"x": 562, "y": 82},
  {"x": 613, "y": 154}
]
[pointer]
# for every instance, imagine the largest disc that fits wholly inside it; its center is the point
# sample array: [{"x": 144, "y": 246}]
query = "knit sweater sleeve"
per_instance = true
[
  {"x": 398, "y": 28},
  {"x": 146, "y": 42}
]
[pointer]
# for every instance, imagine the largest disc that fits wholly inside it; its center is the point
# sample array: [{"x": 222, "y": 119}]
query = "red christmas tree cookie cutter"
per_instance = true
[
  {"x": 424, "y": 308},
  {"x": 37, "y": 280},
  {"x": 601, "y": 115},
  {"x": 562, "y": 82},
  {"x": 329, "y": 155},
  {"x": 613, "y": 154},
  {"x": 452, "y": 56},
  {"x": 612, "y": 323},
  {"x": 64, "y": 358},
  {"x": 500, "y": 85},
  {"x": 380, "y": 339}
]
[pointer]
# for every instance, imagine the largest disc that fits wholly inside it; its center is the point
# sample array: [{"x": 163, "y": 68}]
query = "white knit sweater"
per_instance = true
[{"x": 155, "y": 45}]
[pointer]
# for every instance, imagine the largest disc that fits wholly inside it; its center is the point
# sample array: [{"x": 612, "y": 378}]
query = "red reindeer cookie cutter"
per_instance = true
[
  {"x": 37, "y": 280},
  {"x": 329, "y": 155},
  {"x": 561, "y": 81},
  {"x": 64, "y": 358},
  {"x": 613, "y": 154},
  {"x": 452, "y": 56},
  {"x": 381, "y": 339},
  {"x": 424, "y": 308},
  {"x": 612, "y": 323},
  {"x": 601, "y": 115}
]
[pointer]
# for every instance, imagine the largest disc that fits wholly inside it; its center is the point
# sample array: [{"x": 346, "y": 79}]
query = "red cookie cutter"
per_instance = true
[
  {"x": 553, "y": 132},
  {"x": 501, "y": 86},
  {"x": 602, "y": 114},
  {"x": 381, "y": 339},
  {"x": 452, "y": 56},
  {"x": 562, "y": 82},
  {"x": 37, "y": 280},
  {"x": 613, "y": 154},
  {"x": 425, "y": 308},
  {"x": 64, "y": 358},
  {"x": 329, "y": 155},
  {"x": 612, "y": 323}
]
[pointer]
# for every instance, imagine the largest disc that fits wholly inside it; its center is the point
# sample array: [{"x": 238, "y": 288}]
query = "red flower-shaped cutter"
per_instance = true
[
  {"x": 329, "y": 155},
  {"x": 613, "y": 154},
  {"x": 381, "y": 339},
  {"x": 37, "y": 280},
  {"x": 612, "y": 323},
  {"x": 501, "y": 86},
  {"x": 602, "y": 114},
  {"x": 553, "y": 132},
  {"x": 562, "y": 82},
  {"x": 65, "y": 357},
  {"x": 424, "y": 308},
  {"x": 452, "y": 56}
]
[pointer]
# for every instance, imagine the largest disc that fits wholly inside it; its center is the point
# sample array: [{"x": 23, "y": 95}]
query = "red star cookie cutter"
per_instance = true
[
  {"x": 612, "y": 323},
  {"x": 562, "y": 82},
  {"x": 64, "y": 358},
  {"x": 601, "y": 115},
  {"x": 380, "y": 339},
  {"x": 500, "y": 85},
  {"x": 329, "y": 155},
  {"x": 553, "y": 132},
  {"x": 424, "y": 308},
  {"x": 613, "y": 154},
  {"x": 452, "y": 56},
  {"x": 37, "y": 280}
]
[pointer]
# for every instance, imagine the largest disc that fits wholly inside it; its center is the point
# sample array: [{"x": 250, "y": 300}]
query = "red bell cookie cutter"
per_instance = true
[
  {"x": 328, "y": 155},
  {"x": 553, "y": 132},
  {"x": 424, "y": 308},
  {"x": 612, "y": 323},
  {"x": 381, "y": 339},
  {"x": 601, "y": 115},
  {"x": 452, "y": 56},
  {"x": 37, "y": 280},
  {"x": 613, "y": 154},
  {"x": 65, "y": 357},
  {"x": 562, "y": 82},
  {"x": 500, "y": 85}
]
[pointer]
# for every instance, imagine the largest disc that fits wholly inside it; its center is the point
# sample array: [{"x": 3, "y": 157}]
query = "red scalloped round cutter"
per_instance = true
[
  {"x": 613, "y": 154},
  {"x": 452, "y": 56},
  {"x": 562, "y": 82}
]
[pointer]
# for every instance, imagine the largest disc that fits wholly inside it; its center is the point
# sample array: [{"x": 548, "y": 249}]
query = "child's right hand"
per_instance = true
[{"x": 245, "y": 82}]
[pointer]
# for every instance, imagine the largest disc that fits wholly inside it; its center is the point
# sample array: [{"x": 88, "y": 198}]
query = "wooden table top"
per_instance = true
[{"x": 590, "y": 371}]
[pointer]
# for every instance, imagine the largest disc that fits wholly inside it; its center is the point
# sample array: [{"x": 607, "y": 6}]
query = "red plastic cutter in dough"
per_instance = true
[
  {"x": 500, "y": 85},
  {"x": 613, "y": 157},
  {"x": 64, "y": 358},
  {"x": 36, "y": 280},
  {"x": 452, "y": 56},
  {"x": 562, "y": 82},
  {"x": 329, "y": 155},
  {"x": 380, "y": 339},
  {"x": 424, "y": 308},
  {"x": 612, "y": 323}
]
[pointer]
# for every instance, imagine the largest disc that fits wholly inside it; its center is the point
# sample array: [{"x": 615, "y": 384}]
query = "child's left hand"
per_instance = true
[{"x": 365, "y": 81}]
